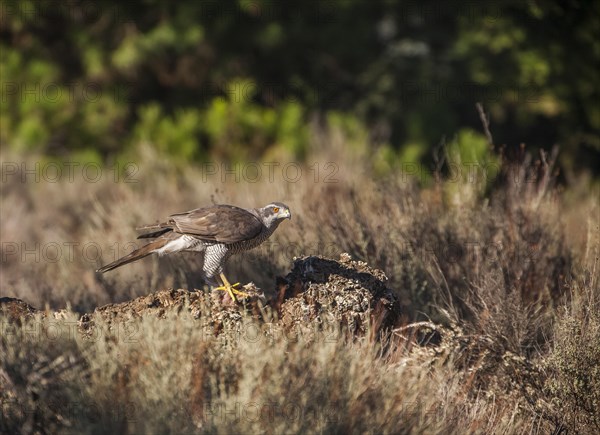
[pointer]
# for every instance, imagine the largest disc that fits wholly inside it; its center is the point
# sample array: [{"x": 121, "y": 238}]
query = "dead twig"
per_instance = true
[{"x": 485, "y": 120}]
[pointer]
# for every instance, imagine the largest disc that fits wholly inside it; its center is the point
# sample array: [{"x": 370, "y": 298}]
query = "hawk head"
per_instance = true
[{"x": 274, "y": 213}]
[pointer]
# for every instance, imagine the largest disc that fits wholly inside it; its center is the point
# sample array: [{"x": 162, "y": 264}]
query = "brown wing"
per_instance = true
[{"x": 218, "y": 223}]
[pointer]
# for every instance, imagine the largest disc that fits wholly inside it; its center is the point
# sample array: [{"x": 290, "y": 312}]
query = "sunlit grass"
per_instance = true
[{"x": 510, "y": 282}]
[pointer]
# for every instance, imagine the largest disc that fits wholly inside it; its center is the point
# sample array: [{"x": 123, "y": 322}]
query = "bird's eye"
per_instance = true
[{"x": 276, "y": 209}]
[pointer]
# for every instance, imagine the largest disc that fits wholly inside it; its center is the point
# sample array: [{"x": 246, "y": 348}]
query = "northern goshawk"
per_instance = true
[{"x": 217, "y": 231}]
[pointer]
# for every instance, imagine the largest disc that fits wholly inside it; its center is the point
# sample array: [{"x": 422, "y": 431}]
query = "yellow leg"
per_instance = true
[{"x": 230, "y": 288}]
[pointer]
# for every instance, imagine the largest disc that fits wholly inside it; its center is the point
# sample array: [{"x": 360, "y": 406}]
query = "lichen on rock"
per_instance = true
[{"x": 344, "y": 292}]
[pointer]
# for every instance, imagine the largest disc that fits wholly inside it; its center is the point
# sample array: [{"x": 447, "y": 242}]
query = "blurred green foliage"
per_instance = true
[{"x": 242, "y": 79}]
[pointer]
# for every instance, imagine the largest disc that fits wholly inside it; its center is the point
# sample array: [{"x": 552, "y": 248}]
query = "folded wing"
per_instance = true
[{"x": 218, "y": 223}]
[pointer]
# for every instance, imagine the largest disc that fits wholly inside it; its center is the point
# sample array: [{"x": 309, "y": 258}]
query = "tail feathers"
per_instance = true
[
  {"x": 154, "y": 234},
  {"x": 135, "y": 255}
]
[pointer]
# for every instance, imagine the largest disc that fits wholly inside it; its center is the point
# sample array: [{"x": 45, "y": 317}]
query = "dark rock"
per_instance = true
[
  {"x": 14, "y": 310},
  {"x": 344, "y": 292}
]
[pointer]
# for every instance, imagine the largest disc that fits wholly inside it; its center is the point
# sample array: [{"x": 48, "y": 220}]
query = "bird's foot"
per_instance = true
[{"x": 230, "y": 288}]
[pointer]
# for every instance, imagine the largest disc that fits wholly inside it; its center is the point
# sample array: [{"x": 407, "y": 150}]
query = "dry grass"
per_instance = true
[
  {"x": 123, "y": 381},
  {"x": 510, "y": 280}
]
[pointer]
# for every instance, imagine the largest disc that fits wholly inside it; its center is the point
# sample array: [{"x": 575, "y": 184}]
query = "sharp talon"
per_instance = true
[{"x": 231, "y": 289}]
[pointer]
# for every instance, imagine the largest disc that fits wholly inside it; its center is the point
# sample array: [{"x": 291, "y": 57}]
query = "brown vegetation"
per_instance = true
[{"x": 476, "y": 309}]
